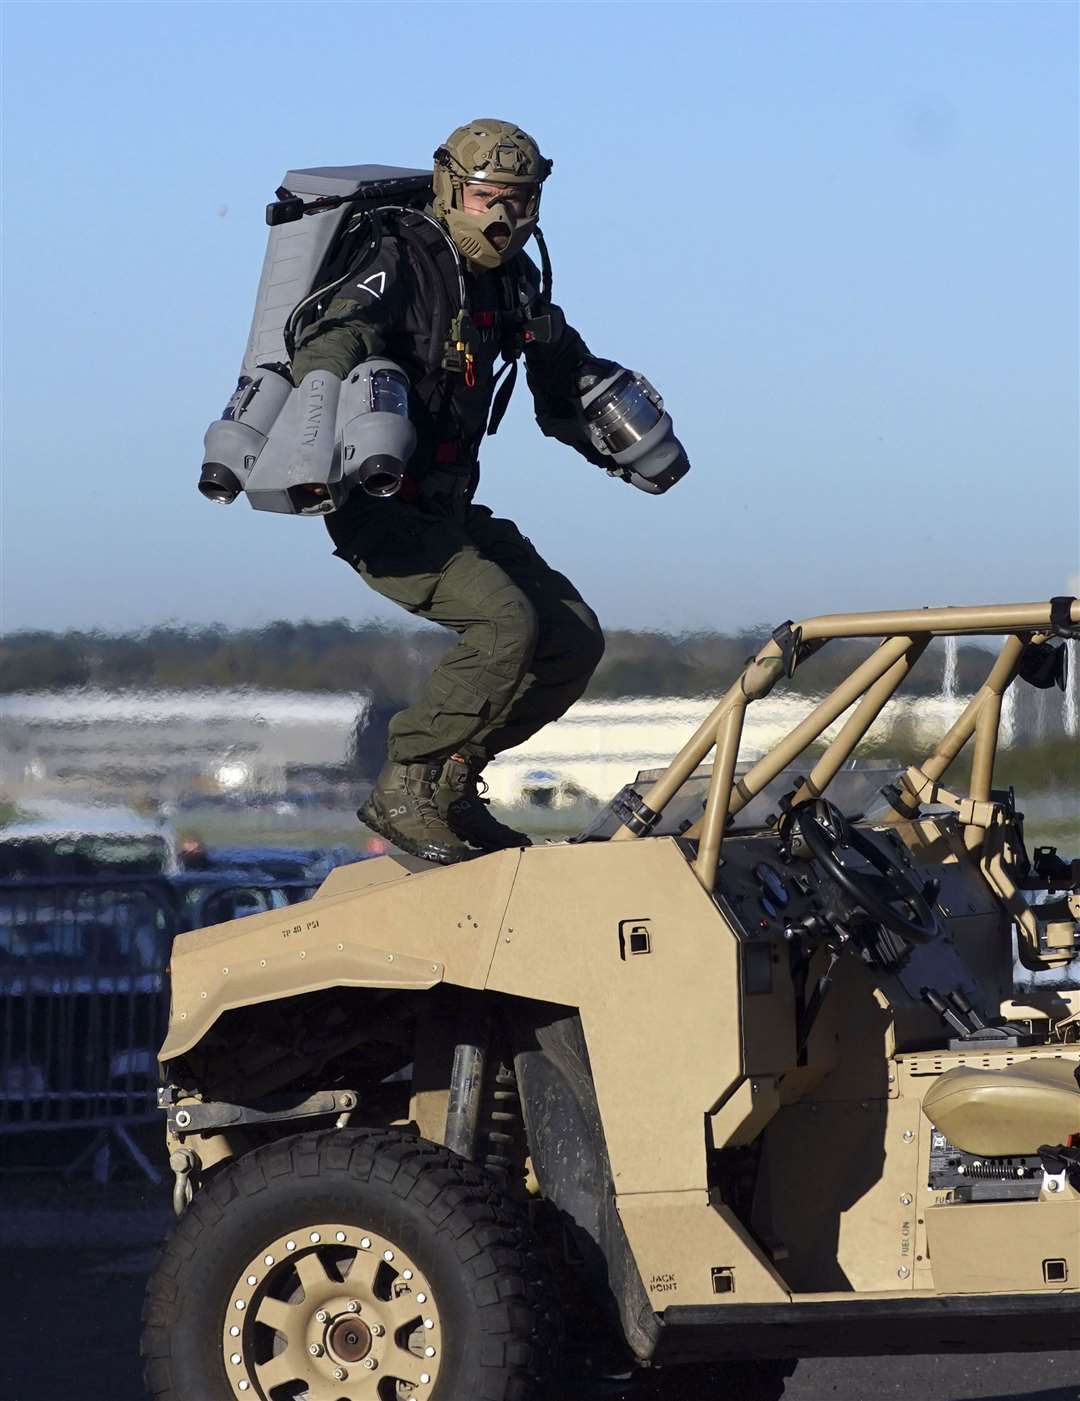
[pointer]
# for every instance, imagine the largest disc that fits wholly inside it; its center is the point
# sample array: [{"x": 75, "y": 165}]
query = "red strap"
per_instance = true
[{"x": 447, "y": 453}]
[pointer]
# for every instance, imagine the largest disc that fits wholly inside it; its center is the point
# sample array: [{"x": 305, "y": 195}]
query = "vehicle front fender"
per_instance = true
[
  {"x": 273, "y": 973},
  {"x": 379, "y": 924}
]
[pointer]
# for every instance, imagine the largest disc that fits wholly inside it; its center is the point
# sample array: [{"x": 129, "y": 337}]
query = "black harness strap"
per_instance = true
[
  {"x": 420, "y": 240},
  {"x": 438, "y": 384},
  {"x": 513, "y": 295},
  {"x": 503, "y": 394}
]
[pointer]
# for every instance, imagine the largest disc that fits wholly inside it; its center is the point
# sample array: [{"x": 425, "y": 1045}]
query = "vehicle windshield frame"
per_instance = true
[{"x": 903, "y": 637}]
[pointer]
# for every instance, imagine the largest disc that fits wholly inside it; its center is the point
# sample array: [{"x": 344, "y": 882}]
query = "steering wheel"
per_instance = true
[{"x": 888, "y": 893}]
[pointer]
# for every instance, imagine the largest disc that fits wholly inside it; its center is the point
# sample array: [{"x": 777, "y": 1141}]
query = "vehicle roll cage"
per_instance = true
[{"x": 905, "y": 636}]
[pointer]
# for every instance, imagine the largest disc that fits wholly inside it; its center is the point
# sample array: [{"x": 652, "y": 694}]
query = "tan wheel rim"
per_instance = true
[{"x": 332, "y": 1313}]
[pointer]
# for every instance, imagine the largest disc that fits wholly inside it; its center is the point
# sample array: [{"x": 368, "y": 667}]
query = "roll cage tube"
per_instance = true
[{"x": 904, "y": 637}]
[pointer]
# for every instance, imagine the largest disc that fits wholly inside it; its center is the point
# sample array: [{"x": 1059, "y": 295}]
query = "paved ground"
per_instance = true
[{"x": 73, "y": 1267}]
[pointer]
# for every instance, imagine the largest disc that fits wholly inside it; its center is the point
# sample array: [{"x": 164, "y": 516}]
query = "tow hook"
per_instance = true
[{"x": 184, "y": 1162}]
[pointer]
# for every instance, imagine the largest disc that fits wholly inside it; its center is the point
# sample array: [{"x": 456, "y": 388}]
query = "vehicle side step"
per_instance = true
[{"x": 969, "y": 1323}]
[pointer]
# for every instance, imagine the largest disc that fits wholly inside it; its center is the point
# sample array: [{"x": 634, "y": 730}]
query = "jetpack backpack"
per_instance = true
[{"x": 299, "y": 449}]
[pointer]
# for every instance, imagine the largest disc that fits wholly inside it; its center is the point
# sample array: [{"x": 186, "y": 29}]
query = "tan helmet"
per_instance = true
[{"x": 491, "y": 152}]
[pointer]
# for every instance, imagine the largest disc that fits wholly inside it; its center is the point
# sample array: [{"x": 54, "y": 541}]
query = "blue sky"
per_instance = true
[{"x": 840, "y": 238}]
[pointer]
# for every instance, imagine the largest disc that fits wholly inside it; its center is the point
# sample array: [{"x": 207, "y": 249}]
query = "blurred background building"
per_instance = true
[
  {"x": 168, "y": 745},
  {"x": 317, "y": 748}
]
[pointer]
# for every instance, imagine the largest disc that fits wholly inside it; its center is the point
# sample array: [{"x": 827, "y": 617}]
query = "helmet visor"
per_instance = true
[{"x": 513, "y": 202}]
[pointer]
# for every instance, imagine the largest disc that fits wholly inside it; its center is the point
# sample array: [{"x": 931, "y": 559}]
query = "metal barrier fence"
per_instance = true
[{"x": 84, "y": 997}]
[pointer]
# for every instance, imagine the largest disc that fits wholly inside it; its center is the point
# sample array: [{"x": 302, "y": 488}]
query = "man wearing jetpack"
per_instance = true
[{"x": 394, "y": 363}]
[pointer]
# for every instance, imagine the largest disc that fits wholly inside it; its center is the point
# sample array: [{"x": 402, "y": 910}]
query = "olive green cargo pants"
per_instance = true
[{"x": 528, "y": 642}]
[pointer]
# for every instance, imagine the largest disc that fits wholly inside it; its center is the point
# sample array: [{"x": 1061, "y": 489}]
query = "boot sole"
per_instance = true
[
  {"x": 518, "y": 840},
  {"x": 485, "y": 847},
  {"x": 438, "y": 856}
]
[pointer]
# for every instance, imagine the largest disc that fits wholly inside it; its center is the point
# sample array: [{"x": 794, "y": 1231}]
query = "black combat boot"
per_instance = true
[
  {"x": 467, "y": 814},
  {"x": 402, "y": 809}
]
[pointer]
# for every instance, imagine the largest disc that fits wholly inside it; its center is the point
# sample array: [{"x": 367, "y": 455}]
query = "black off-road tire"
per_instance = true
[{"x": 500, "y": 1331}]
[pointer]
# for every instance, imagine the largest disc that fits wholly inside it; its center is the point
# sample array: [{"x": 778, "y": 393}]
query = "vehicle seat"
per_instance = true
[{"x": 1006, "y": 1113}]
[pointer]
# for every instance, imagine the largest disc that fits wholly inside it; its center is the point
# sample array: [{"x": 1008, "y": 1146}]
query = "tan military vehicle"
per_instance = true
[{"x": 769, "y": 1063}]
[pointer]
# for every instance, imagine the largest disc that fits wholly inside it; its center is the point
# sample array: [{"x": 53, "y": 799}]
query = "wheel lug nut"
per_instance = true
[
  {"x": 377, "y": 1330},
  {"x": 370, "y": 1363},
  {"x": 340, "y": 1374},
  {"x": 322, "y": 1316},
  {"x": 353, "y": 1306},
  {"x": 315, "y": 1349}
]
